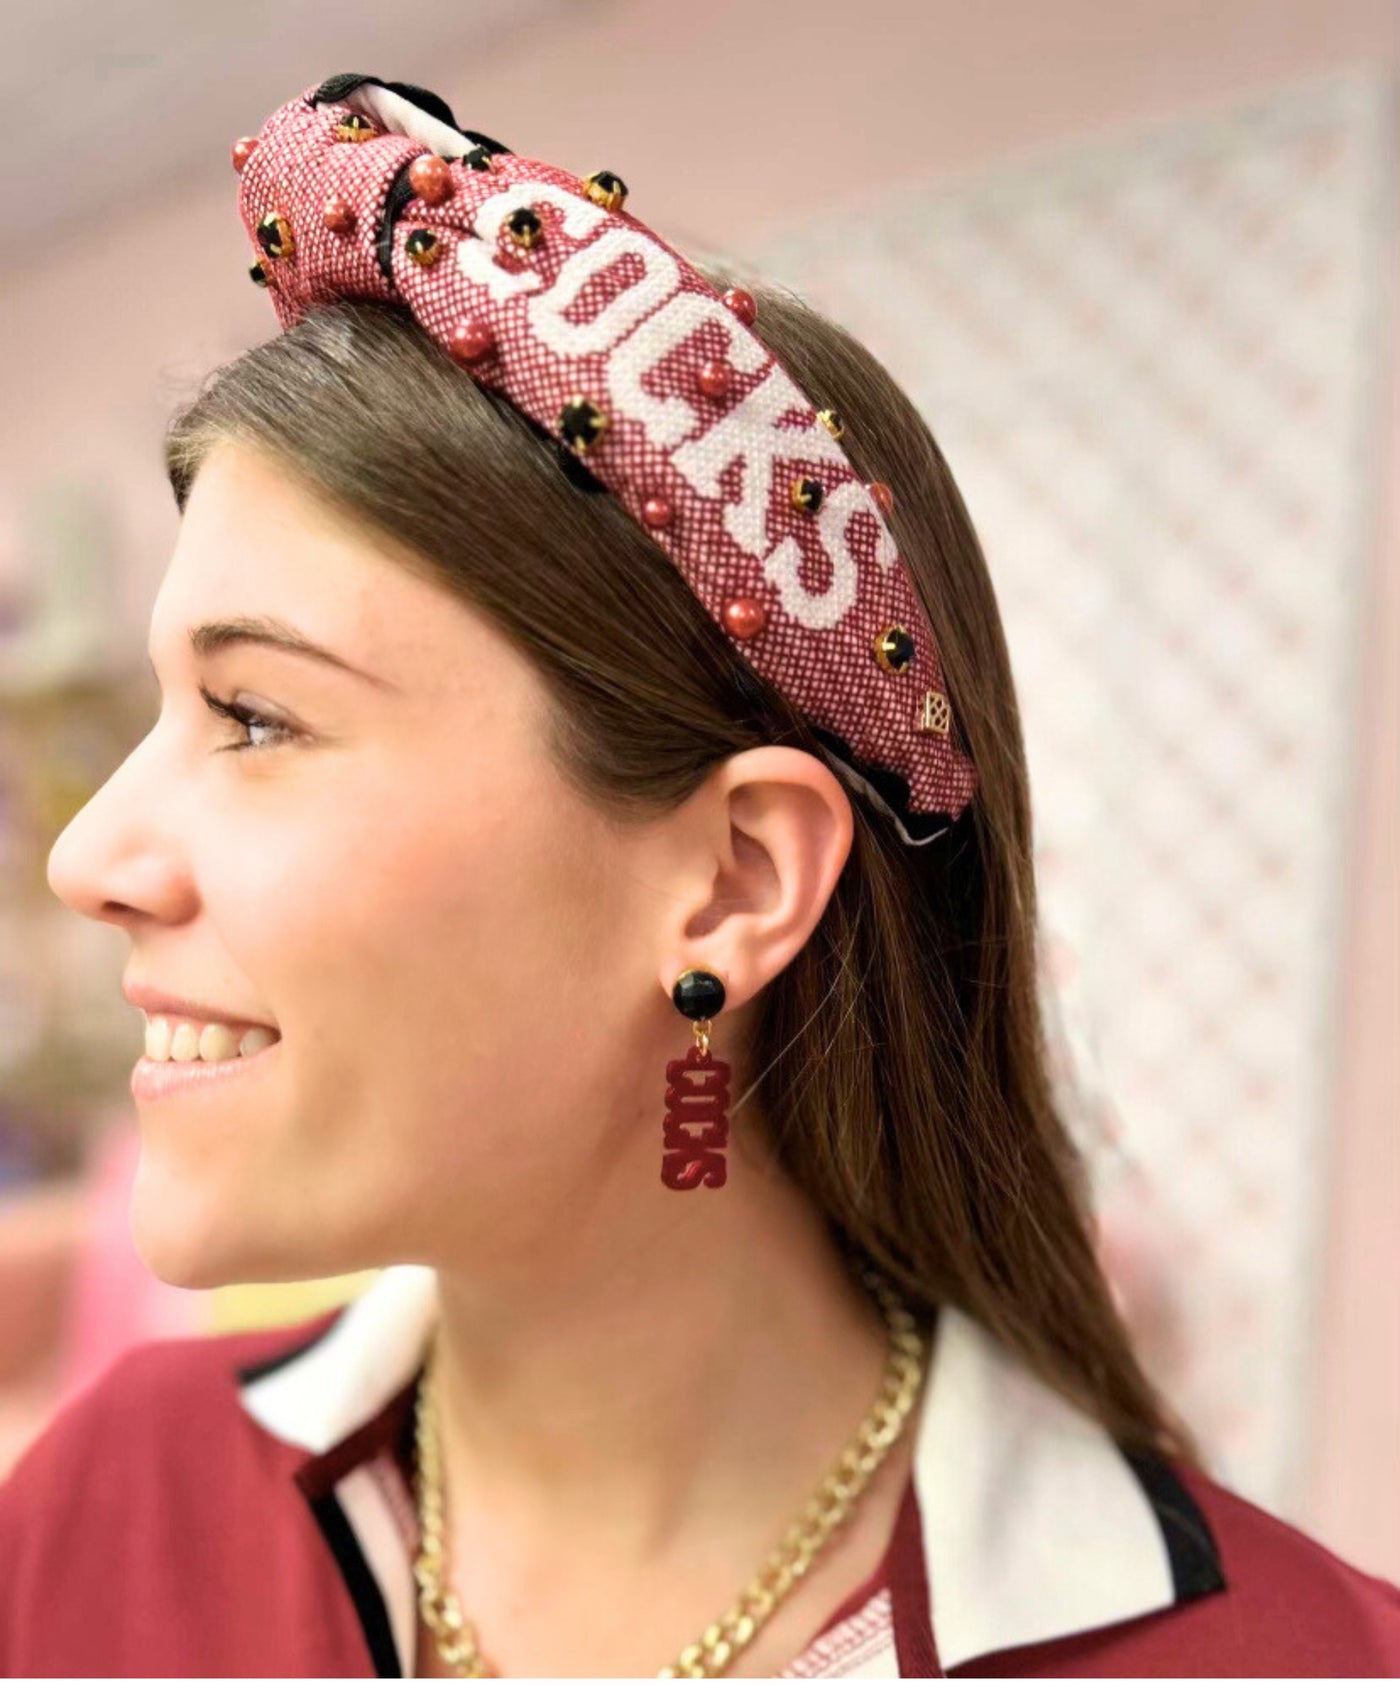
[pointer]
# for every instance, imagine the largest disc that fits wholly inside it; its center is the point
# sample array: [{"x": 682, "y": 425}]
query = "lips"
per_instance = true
[
  {"x": 151, "y": 1080},
  {"x": 152, "y": 1000}
]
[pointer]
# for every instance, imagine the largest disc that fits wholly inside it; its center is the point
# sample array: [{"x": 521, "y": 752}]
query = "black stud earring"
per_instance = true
[{"x": 695, "y": 1130}]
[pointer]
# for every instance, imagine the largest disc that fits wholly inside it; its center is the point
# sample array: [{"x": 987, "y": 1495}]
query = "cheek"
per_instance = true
[{"x": 422, "y": 959}]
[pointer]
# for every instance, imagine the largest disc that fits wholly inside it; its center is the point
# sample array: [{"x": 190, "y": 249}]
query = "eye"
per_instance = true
[{"x": 249, "y": 719}]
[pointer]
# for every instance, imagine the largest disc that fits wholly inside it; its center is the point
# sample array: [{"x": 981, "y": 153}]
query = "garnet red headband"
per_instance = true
[{"x": 609, "y": 339}]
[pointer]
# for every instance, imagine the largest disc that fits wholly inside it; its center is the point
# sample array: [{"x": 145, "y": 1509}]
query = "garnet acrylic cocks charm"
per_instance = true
[{"x": 697, "y": 1118}]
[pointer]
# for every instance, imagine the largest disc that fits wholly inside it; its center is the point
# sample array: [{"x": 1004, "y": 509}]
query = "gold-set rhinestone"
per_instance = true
[
  {"x": 806, "y": 494},
  {"x": 894, "y": 649},
  {"x": 605, "y": 189},
  {"x": 582, "y": 422},
  {"x": 423, "y": 246},
  {"x": 275, "y": 235},
  {"x": 937, "y": 714},
  {"x": 524, "y": 226},
  {"x": 831, "y": 420},
  {"x": 257, "y": 273},
  {"x": 784, "y": 1567},
  {"x": 354, "y": 127}
]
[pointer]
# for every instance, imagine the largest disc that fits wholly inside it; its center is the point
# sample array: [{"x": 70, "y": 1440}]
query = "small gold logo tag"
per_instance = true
[{"x": 937, "y": 715}]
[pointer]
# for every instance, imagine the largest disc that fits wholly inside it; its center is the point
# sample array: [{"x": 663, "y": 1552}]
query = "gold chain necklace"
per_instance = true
[{"x": 710, "y": 1655}]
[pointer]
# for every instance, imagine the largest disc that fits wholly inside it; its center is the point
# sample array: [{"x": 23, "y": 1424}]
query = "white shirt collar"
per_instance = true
[{"x": 1035, "y": 1522}]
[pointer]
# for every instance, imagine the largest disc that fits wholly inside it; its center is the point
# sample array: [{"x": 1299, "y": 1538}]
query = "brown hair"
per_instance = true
[{"x": 901, "y": 1057}]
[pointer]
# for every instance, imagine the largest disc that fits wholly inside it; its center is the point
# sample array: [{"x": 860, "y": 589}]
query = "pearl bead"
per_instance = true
[
  {"x": 338, "y": 215},
  {"x": 745, "y": 617},
  {"x": 430, "y": 177},
  {"x": 714, "y": 378},
  {"x": 243, "y": 150},
  {"x": 743, "y": 304},
  {"x": 882, "y": 494},
  {"x": 471, "y": 340},
  {"x": 657, "y": 512}
]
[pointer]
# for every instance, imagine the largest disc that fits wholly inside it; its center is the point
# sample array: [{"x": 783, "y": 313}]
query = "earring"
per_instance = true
[{"x": 695, "y": 1130}]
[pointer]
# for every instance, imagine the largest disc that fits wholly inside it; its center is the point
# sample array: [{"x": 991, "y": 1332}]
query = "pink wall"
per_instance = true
[{"x": 726, "y": 120}]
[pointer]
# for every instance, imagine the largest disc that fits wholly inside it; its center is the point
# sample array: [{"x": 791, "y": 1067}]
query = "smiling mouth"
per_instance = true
[{"x": 153, "y": 1079}]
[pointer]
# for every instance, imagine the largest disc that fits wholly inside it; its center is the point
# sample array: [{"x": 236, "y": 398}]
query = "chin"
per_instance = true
[
  {"x": 186, "y": 1241},
  {"x": 180, "y": 1260}
]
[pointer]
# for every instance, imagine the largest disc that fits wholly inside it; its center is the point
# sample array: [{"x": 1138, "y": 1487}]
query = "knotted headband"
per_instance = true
[{"x": 608, "y": 339}]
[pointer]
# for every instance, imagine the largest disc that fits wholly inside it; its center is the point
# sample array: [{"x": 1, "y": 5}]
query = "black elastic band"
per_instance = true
[
  {"x": 399, "y": 194},
  {"x": 891, "y": 786}
]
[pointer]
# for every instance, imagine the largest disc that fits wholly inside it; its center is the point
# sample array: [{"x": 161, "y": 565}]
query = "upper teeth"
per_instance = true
[{"x": 184, "y": 1039}]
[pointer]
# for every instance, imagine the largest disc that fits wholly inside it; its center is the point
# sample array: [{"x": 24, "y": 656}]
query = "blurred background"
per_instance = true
[{"x": 1136, "y": 262}]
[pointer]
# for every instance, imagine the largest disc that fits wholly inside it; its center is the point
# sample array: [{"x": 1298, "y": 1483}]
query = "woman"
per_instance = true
[{"x": 481, "y": 758}]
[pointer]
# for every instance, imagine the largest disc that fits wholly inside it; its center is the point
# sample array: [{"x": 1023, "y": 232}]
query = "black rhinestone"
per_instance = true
[
  {"x": 258, "y": 273},
  {"x": 422, "y": 246},
  {"x": 698, "y": 994},
  {"x": 806, "y": 494},
  {"x": 477, "y": 159},
  {"x": 605, "y": 189},
  {"x": 524, "y": 226},
  {"x": 833, "y": 422},
  {"x": 275, "y": 235},
  {"x": 582, "y": 423},
  {"x": 354, "y": 127},
  {"x": 894, "y": 649}
]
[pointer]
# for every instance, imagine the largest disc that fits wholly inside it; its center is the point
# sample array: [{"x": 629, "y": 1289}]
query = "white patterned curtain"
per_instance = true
[{"x": 1151, "y": 361}]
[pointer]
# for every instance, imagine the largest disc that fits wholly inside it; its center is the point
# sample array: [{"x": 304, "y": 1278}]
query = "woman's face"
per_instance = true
[{"x": 457, "y": 951}]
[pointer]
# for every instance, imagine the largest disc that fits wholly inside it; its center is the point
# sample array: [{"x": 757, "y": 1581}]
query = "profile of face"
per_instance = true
[{"x": 457, "y": 951}]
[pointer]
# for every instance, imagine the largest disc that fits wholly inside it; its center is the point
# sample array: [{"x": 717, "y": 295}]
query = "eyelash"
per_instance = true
[{"x": 248, "y": 718}]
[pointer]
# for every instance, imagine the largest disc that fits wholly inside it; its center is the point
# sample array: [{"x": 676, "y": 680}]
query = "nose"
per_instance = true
[{"x": 113, "y": 861}]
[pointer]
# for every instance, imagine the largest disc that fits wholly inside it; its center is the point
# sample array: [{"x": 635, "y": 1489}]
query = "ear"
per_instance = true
[{"x": 763, "y": 844}]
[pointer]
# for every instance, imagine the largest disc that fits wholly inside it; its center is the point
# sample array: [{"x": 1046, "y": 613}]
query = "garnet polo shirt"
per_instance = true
[{"x": 240, "y": 1505}]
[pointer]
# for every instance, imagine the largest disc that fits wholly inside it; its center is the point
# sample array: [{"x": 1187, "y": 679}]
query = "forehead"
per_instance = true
[{"x": 257, "y": 540}]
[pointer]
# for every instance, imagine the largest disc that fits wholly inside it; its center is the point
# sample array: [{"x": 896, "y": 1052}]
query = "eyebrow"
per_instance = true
[{"x": 212, "y": 636}]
